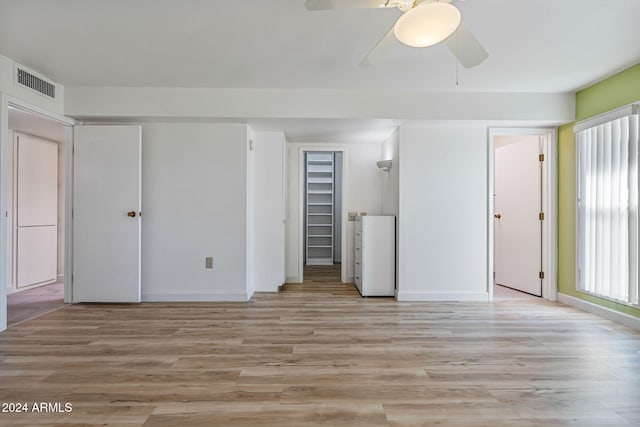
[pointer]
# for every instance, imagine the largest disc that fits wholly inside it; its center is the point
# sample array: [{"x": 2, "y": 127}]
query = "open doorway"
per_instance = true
[
  {"x": 35, "y": 184},
  {"x": 321, "y": 223},
  {"x": 322, "y": 204},
  {"x": 522, "y": 223}
]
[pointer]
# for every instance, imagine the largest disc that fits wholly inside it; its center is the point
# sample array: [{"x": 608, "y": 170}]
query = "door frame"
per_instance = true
[
  {"x": 301, "y": 189},
  {"x": 5, "y": 102},
  {"x": 549, "y": 205}
]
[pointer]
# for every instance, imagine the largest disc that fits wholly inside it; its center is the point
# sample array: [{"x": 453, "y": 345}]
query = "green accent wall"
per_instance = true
[{"x": 616, "y": 91}]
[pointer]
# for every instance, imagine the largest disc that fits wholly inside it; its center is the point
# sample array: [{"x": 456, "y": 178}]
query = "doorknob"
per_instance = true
[
  {"x": 498, "y": 216},
  {"x": 132, "y": 214}
]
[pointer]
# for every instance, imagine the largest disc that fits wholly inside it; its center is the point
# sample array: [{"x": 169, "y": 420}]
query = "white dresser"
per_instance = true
[{"x": 375, "y": 255}]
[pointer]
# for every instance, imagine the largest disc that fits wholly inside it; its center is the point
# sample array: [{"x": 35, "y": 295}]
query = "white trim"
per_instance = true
[
  {"x": 268, "y": 291},
  {"x": 68, "y": 215},
  {"x": 196, "y": 297},
  {"x": 443, "y": 296},
  {"x": 607, "y": 313},
  {"x": 550, "y": 261},
  {"x": 4, "y": 141},
  {"x": 301, "y": 188},
  {"x": 270, "y": 288},
  {"x": 550, "y": 182},
  {"x": 609, "y": 116},
  {"x": 490, "y": 208},
  {"x": 34, "y": 109}
]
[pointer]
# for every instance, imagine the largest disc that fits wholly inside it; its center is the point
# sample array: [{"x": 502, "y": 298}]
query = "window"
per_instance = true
[{"x": 607, "y": 158}]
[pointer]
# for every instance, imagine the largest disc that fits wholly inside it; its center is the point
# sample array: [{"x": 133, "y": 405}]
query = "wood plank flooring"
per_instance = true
[
  {"x": 31, "y": 303},
  {"x": 304, "y": 357},
  {"x": 322, "y": 273}
]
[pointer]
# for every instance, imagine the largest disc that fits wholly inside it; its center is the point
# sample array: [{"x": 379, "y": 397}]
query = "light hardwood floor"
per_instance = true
[
  {"x": 322, "y": 273},
  {"x": 31, "y": 303},
  {"x": 323, "y": 356}
]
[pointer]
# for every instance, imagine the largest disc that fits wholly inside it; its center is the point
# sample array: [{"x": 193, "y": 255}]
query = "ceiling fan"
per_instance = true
[{"x": 423, "y": 23}]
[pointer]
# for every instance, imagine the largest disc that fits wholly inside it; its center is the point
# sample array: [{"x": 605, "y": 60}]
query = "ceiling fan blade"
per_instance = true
[
  {"x": 466, "y": 47},
  {"x": 378, "y": 52},
  {"x": 343, "y": 4}
]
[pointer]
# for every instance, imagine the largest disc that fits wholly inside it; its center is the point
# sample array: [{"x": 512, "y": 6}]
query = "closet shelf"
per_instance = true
[{"x": 320, "y": 192}]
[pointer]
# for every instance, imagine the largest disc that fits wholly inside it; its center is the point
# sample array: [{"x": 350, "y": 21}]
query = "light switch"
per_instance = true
[{"x": 208, "y": 262}]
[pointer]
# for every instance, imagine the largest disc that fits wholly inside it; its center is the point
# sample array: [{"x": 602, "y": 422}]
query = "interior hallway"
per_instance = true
[{"x": 322, "y": 279}]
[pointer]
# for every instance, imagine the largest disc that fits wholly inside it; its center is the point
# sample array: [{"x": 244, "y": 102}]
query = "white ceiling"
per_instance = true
[
  {"x": 534, "y": 45},
  {"x": 547, "y": 46}
]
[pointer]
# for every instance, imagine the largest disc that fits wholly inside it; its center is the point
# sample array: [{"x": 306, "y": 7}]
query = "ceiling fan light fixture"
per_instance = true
[{"x": 427, "y": 24}]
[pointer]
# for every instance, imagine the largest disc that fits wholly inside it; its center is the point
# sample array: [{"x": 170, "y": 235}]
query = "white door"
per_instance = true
[
  {"x": 106, "y": 213},
  {"x": 517, "y": 208},
  {"x": 36, "y": 228}
]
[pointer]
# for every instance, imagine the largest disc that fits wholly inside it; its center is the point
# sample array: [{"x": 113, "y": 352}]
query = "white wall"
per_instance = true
[
  {"x": 362, "y": 193},
  {"x": 250, "y": 211},
  {"x": 390, "y": 180},
  {"x": 443, "y": 213},
  {"x": 269, "y": 234},
  {"x": 391, "y": 185},
  {"x": 362, "y": 180},
  {"x": 293, "y": 201},
  {"x": 194, "y": 197}
]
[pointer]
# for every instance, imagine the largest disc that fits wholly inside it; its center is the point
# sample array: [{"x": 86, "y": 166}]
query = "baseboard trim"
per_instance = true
[
  {"x": 171, "y": 297},
  {"x": 274, "y": 288},
  {"x": 607, "y": 313},
  {"x": 443, "y": 296},
  {"x": 60, "y": 278},
  {"x": 292, "y": 279}
]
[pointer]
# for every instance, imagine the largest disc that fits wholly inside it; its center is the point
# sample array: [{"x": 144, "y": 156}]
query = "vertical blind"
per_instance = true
[{"x": 607, "y": 156}]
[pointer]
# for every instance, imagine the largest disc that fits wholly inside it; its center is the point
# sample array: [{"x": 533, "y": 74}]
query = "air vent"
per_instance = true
[{"x": 33, "y": 82}]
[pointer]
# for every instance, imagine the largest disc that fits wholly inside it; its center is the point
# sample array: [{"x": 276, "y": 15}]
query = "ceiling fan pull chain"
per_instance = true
[{"x": 457, "y": 58}]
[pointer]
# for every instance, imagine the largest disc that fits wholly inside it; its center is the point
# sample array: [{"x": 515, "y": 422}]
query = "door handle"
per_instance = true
[
  {"x": 498, "y": 216},
  {"x": 131, "y": 214}
]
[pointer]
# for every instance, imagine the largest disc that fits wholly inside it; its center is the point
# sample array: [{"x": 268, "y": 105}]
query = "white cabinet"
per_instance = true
[{"x": 375, "y": 255}]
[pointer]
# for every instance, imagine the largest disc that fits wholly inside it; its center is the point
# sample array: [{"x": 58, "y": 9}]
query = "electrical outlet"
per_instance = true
[
  {"x": 208, "y": 262},
  {"x": 352, "y": 216}
]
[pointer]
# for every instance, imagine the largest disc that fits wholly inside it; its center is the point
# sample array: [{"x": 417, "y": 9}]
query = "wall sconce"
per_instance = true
[{"x": 384, "y": 165}]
